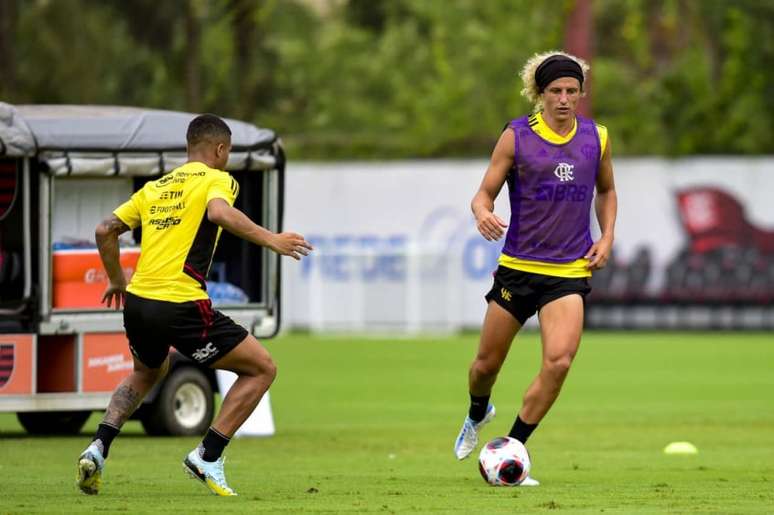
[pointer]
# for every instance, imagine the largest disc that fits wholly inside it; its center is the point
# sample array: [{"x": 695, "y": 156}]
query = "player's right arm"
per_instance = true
[
  {"x": 125, "y": 218},
  {"x": 106, "y": 235},
  {"x": 491, "y": 226},
  {"x": 239, "y": 224}
]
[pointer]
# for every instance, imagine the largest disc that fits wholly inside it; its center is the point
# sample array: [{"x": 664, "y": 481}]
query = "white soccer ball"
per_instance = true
[{"x": 504, "y": 461}]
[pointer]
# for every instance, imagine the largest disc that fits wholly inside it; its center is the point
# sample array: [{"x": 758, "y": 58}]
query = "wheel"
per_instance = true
[
  {"x": 184, "y": 406},
  {"x": 53, "y": 422}
]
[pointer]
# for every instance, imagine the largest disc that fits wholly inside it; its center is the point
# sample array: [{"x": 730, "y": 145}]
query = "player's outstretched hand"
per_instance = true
[
  {"x": 115, "y": 295},
  {"x": 491, "y": 226},
  {"x": 599, "y": 253},
  {"x": 291, "y": 244}
]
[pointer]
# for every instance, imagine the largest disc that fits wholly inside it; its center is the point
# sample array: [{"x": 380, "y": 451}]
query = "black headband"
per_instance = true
[{"x": 554, "y": 67}]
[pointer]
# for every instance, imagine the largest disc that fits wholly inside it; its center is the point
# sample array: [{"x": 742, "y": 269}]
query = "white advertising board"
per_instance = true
[{"x": 396, "y": 246}]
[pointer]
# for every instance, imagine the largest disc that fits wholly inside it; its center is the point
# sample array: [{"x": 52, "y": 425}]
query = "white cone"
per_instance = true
[{"x": 680, "y": 448}]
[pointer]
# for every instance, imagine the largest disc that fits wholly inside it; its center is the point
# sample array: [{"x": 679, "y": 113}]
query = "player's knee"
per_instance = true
[
  {"x": 270, "y": 368},
  {"x": 486, "y": 367},
  {"x": 263, "y": 367},
  {"x": 558, "y": 366},
  {"x": 150, "y": 375}
]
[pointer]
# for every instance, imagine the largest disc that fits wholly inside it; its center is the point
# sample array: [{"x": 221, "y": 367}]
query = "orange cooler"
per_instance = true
[{"x": 79, "y": 278}]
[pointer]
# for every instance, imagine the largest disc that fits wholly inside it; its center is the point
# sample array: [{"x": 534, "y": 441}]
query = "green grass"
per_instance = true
[{"x": 367, "y": 425}]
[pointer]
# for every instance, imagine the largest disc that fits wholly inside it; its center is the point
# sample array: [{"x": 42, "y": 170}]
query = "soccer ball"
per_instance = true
[{"x": 504, "y": 462}]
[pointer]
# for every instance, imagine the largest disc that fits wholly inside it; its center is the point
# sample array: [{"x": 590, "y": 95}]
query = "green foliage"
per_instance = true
[
  {"x": 686, "y": 77},
  {"x": 432, "y": 81},
  {"x": 405, "y": 78},
  {"x": 71, "y": 51}
]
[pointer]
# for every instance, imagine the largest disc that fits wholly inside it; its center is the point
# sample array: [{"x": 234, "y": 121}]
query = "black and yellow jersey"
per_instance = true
[
  {"x": 573, "y": 269},
  {"x": 178, "y": 241}
]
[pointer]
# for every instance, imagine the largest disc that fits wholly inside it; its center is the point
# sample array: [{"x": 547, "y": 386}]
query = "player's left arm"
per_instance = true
[
  {"x": 221, "y": 211},
  {"x": 606, "y": 207},
  {"x": 106, "y": 234}
]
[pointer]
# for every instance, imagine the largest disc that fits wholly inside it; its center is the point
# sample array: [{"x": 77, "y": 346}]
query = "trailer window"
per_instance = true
[
  {"x": 236, "y": 261},
  {"x": 79, "y": 204}
]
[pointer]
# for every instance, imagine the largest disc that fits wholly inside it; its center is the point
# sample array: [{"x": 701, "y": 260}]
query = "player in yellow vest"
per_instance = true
[{"x": 166, "y": 302}]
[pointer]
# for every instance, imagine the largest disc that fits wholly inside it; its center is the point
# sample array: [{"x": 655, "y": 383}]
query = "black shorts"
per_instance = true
[
  {"x": 193, "y": 328},
  {"x": 522, "y": 294}
]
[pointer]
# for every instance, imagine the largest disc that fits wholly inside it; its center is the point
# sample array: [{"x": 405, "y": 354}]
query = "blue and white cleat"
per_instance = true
[
  {"x": 208, "y": 472},
  {"x": 90, "y": 465},
  {"x": 468, "y": 437}
]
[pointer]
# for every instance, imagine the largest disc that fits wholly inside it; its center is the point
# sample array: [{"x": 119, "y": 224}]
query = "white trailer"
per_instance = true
[{"x": 62, "y": 170}]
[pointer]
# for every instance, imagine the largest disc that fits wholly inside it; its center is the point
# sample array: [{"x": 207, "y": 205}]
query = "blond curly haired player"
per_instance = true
[{"x": 553, "y": 162}]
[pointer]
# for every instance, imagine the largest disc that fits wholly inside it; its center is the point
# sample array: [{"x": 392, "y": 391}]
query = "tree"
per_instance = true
[
  {"x": 7, "y": 56},
  {"x": 402, "y": 78},
  {"x": 193, "y": 15}
]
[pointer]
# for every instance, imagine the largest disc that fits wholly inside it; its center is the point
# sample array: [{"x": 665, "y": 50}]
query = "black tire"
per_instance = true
[
  {"x": 53, "y": 422},
  {"x": 184, "y": 406}
]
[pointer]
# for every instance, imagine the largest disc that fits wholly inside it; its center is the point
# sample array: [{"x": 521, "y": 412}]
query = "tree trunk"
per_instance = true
[
  {"x": 243, "y": 14},
  {"x": 578, "y": 42},
  {"x": 7, "y": 57},
  {"x": 193, "y": 38},
  {"x": 660, "y": 41}
]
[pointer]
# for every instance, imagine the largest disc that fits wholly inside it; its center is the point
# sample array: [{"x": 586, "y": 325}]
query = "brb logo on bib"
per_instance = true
[{"x": 564, "y": 172}]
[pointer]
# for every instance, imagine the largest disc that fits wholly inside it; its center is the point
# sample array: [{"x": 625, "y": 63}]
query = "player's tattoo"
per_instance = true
[
  {"x": 122, "y": 404},
  {"x": 114, "y": 224}
]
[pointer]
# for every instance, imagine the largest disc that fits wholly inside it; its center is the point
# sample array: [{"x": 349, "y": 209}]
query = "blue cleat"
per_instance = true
[
  {"x": 90, "y": 465},
  {"x": 468, "y": 437},
  {"x": 208, "y": 472}
]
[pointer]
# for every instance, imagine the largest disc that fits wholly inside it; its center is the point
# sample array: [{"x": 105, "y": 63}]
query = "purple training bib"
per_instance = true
[{"x": 551, "y": 187}]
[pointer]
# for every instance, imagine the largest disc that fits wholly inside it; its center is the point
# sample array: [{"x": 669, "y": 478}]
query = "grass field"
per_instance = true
[{"x": 367, "y": 425}]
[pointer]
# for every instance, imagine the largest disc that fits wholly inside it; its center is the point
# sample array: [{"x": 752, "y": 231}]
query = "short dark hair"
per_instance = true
[{"x": 207, "y": 127}]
